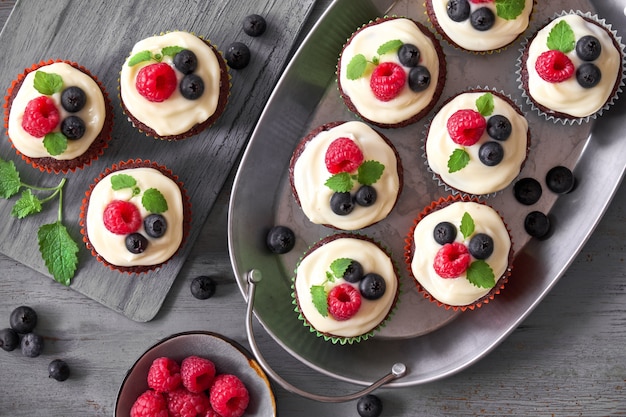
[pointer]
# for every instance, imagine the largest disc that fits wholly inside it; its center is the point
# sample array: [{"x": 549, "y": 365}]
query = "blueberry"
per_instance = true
[
  {"x": 280, "y": 239},
  {"x": 354, "y": 272},
  {"x": 369, "y": 406},
  {"x": 254, "y": 25},
  {"x": 588, "y": 48},
  {"x": 560, "y": 180},
  {"x": 480, "y": 246},
  {"x": 537, "y": 224},
  {"x": 185, "y": 61},
  {"x": 32, "y": 345},
  {"x": 372, "y": 286},
  {"x": 445, "y": 232},
  {"x": 23, "y": 319},
  {"x": 491, "y": 153},
  {"x": 458, "y": 10},
  {"x": 155, "y": 225},
  {"x": 342, "y": 203},
  {"x": 136, "y": 243},
  {"x": 202, "y": 287},
  {"x": 499, "y": 127},
  {"x": 9, "y": 339},
  {"x": 419, "y": 78},
  {"x": 58, "y": 369},
  {"x": 409, "y": 55},
  {"x": 365, "y": 196},
  {"x": 73, "y": 127},
  {"x": 482, "y": 19},
  {"x": 237, "y": 55},
  {"x": 588, "y": 75},
  {"x": 73, "y": 99},
  {"x": 191, "y": 87},
  {"x": 527, "y": 191}
]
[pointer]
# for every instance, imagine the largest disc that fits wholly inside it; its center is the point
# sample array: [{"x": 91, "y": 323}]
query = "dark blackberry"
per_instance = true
[
  {"x": 409, "y": 55},
  {"x": 419, "y": 78},
  {"x": 491, "y": 153},
  {"x": 23, "y": 319},
  {"x": 444, "y": 232},
  {"x": 560, "y": 180},
  {"x": 369, "y": 406},
  {"x": 537, "y": 224},
  {"x": 342, "y": 203},
  {"x": 588, "y": 75},
  {"x": 527, "y": 191},
  {"x": 73, "y": 127},
  {"x": 155, "y": 225},
  {"x": 280, "y": 239},
  {"x": 365, "y": 196},
  {"x": 136, "y": 243},
  {"x": 458, "y": 10},
  {"x": 9, "y": 339},
  {"x": 32, "y": 345},
  {"x": 202, "y": 287},
  {"x": 191, "y": 87},
  {"x": 499, "y": 127},
  {"x": 254, "y": 25},
  {"x": 237, "y": 55},
  {"x": 185, "y": 61},
  {"x": 372, "y": 286},
  {"x": 482, "y": 19},
  {"x": 480, "y": 246},
  {"x": 73, "y": 99},
  {"x": 354, "y": 272},
  {"x": 588, "y": 48},
  {"x": 58, "y": 369}
]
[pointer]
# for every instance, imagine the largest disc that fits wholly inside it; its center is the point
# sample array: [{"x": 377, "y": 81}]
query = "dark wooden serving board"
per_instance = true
[{"x": 99, "y": 36}]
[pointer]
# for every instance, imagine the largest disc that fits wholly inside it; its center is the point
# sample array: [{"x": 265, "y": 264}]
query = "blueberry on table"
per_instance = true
[
  {"x": 537, "y": 224},
  {"x": 32, "y": 345},
  {"x": 23, "y": 319},
  {"x": 560, "y": 180},
  {"x": 254, "y": 25},
  {"x": 203, "y": 287},
  {"x": 369, "y": 406},
  {"x": 237, "y": 55},
  {"x": 527, "y": 191},
  {"x": 9, "y": 339},
  {"x": 58, "y": 369},
  {"x": 280, "y": 239}
]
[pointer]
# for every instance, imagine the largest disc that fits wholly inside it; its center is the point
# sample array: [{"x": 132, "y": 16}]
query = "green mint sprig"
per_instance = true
[
  {"x": 358, "y": 64},
  {"x": 367, "y": 174},
  {"x": 459, "y": 158},
  {"x": 561, "y": 38},
  {"x": 479, "y": 272},
  {"x": 57, "y": 248},
  {"x": 319, "y": 293},
  {"x": 509, "y": 9},
  {"x": 144, "y": 56},
  {"x": 152, "y": 200}
]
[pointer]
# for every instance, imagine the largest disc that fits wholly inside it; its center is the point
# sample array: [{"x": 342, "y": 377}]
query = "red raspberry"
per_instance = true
[
  {"x": 121, "y": 217},
  {"x": 452, "y": 260},
  {"x": 387, "y": 80},
  {"x": 164, "y": 375},
  {"x": 182, "y": 403},
  {"x": 229, "y": 396},
  {"x": 197, "y": 373},
  {"x": 466, "y": 126},
  {"x": 41, "y": 116},
  {"x": 149, "y": 404},
  {"x": 343, "y": 155},
  {"x": 554, "y": 66},
  {"x": 344, "y": 301},
  {"x": 156, "y": 82}
]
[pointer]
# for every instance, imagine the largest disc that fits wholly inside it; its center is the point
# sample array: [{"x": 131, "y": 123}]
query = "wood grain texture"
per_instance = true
[
  {"x": 50, "y": 30},
  {"x": 566, "y": 359}
]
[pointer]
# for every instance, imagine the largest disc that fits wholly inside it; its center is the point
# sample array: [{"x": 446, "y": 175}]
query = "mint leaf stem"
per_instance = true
[{"x": 34, "y": 187}]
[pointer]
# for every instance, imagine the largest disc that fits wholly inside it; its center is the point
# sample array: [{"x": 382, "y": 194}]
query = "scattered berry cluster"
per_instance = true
[
  {"x": 190, "y": 388},
  {"x": 23, "y": 320},
  {"x": 124, "y": 218},
  {"x": 237, "y": 53}
]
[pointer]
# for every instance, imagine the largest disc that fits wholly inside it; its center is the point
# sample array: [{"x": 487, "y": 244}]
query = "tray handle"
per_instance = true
[{"x": 398, "y": 370}]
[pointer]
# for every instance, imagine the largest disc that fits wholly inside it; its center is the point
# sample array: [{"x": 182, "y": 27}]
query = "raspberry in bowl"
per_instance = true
[{"x": 196, "y": 373}]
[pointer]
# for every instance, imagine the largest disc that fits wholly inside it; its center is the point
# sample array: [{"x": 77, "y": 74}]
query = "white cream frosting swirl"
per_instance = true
[
  {"x": 310, "y": 174},
  {"x": 93, "y": 113},
  {"x": 312, "y": 271},
  {"x": 477, "y": 178},
  {"x": 568, "y": 96},
  {"x": 177, "y": 114},
  {"x": 500, "y": 34},
  {"x": 112, "y": 246},
  {"x": 458, "y": 291},
  {"x": 366, "y": 42}
]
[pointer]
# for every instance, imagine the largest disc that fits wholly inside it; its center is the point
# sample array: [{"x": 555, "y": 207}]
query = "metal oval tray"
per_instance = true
[{"x": 431, "y": 341}]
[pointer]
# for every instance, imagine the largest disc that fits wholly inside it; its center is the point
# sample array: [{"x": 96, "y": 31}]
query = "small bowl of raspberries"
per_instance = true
[{"x": 195, "y": 374}]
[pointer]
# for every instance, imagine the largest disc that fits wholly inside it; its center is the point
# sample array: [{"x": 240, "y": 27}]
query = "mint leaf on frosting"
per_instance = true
[
  {"x": 509, "y": 9},
  {"x": 561, "y": 37},
  {"x": 339, "y": 266},
  {"x": 389, "y": 46},
  {"x": 356, "y": 67},
  {"x": 369, "y": 172},
  {"x": 139, "y": 57},
  {"x": 320, "y": 299},
  {"x": 154, "y": 201},
  {"x": 171, "y": 50},
  {"x": 340, "y": 183},
  {"x": 480, "y": 274},
  {"x": 484, "y": 104},
  {"x": 121, "y": 181},
  {"x": 47, "y": 83},
  {"x": 55, "y": 143},
  {"x": 458, "y": 160},
  {"x": 467, "y": 225}
]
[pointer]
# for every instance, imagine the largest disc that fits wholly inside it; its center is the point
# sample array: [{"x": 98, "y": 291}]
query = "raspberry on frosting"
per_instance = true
[
  {"x": 343, "y": 155},
  {"x": 156, "y": 82},
  {"x": 40, "y": 117},
  {"x": 554, "y": 66},
  {"x": 387, "y": 81},
  {"x": 466, "y": 126},
  {"x": 344, "y": 301},
  {"x": 452, "y": 260}
]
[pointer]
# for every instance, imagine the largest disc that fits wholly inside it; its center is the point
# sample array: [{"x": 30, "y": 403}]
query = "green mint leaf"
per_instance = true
[
  {"x": 142, "y": 56},
  {"x": 58, "y": 251},
  {"x": 55, "y": 143},
  {"x": 467, "y": 225},
  {"x": 330, "y": 277},
  {"x": 27, "y": 204},
  {"x": 154, "y": 201},
  {"x": 480, "y": 274},
  {"x": 171, "y": 50},
  {"x": 369, "y": 172},
  {"x": 458, "y": 160},
  {"x": 375, "y": 60},
  {"x": 389, "y": 46},
  {"x": 339, "y": 266},
  {"x": 320, "y": 299},
  {"x": 48, "y": 83},
  {"x": 561, "y": 37},
  {"x": 484, "y": 104},
  {"x": 340, "y": 183},
  {"x": 509, "y": 9},
  {"x": 121, "y": 181},
  {"x": 356, "y": 67},
  {"x": 10, "y": 183}
]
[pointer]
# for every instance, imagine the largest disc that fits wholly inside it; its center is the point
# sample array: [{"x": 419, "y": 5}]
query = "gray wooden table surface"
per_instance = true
[{"x": 568, "y": 358}]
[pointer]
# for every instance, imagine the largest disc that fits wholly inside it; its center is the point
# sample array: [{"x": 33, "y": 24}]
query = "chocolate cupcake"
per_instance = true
[
  {"x": 346, "y": 287},
  {"x": 174, "y": 85},
  {"x": 345, "y": 175},
  {"x": 459, "y": 252},
  {"x": 391, "y": 72},
  {"x": 58, "y": 116},
  {"x": 135, "y": 216},
  {"x": 477, "y": 142},
  {"x": 571, "y": 69}
]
